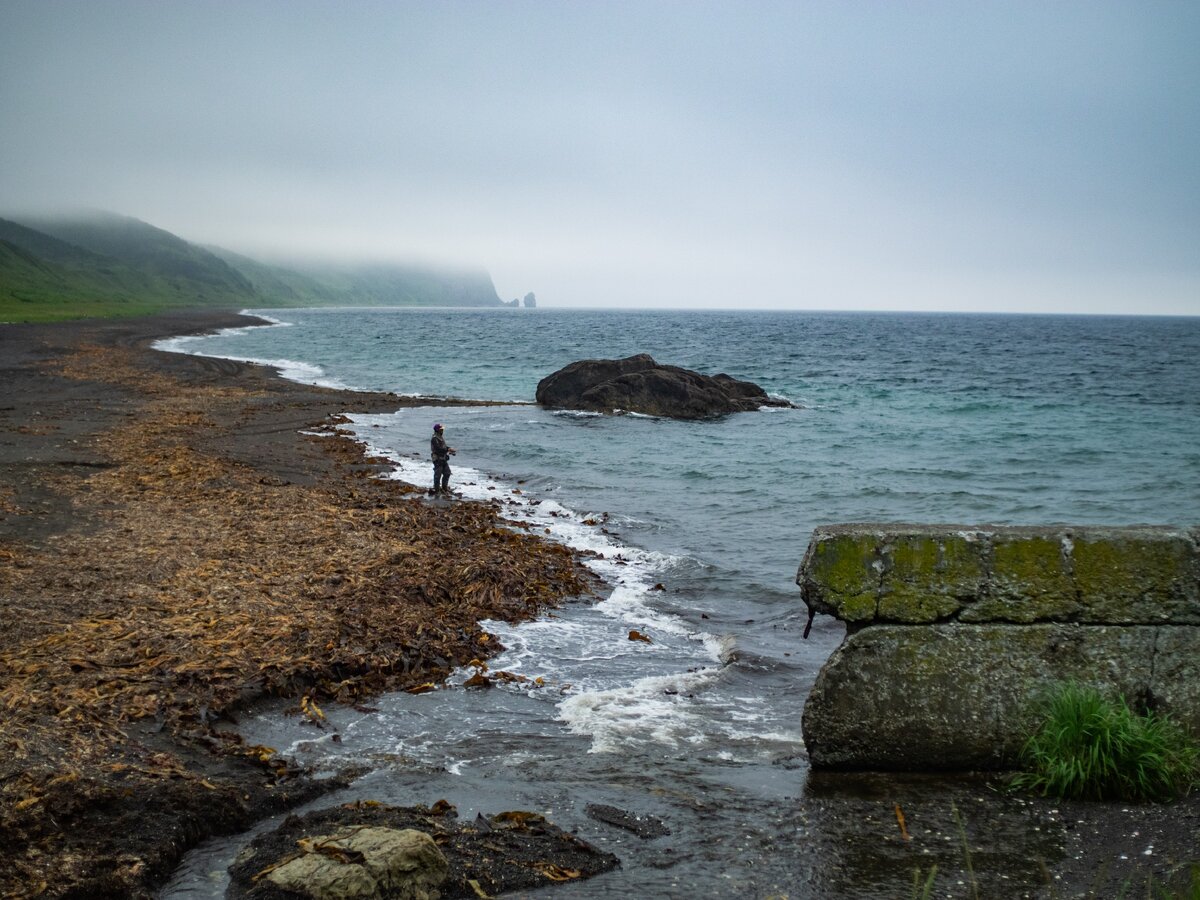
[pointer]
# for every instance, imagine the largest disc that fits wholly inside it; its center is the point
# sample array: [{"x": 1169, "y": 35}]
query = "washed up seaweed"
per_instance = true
[{"x": 203, "y": 581}]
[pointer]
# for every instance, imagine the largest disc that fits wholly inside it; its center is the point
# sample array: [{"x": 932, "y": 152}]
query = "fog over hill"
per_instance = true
[{"x": 100, "y": 263}]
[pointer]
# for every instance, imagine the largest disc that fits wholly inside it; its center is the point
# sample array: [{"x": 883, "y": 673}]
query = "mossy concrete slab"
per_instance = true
[
  {"x": 930, "y": 576},
  {"x": 912, "y": 574},
  {"x": 956, "y": 697},
  {"x": 1029, "y": 580},
  {"x": 1137, "y": 575},
  {"x": 1175, "y": 680},
  {"x": 840, "y": 574}
]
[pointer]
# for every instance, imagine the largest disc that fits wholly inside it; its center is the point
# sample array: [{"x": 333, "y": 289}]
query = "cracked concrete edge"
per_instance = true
[{"x": 1091, "y": 603}]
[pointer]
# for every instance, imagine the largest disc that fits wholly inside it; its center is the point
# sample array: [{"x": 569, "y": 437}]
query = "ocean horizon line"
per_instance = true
[{"x": 1008, "y": 314}]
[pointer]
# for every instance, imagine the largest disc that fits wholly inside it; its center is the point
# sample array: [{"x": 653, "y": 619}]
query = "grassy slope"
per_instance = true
[
  {"x": 107, "y": 265},
  {"x": 364, "y": 285},
  {"x": 190, "y": 271},
  {"x": 400, "y": 285},
  {"x": 279, "y": 286},
  {"x": 33, "y": 289}
]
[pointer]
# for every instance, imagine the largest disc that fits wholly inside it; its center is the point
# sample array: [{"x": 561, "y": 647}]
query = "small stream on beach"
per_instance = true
[{"x": 697, "y": 530}]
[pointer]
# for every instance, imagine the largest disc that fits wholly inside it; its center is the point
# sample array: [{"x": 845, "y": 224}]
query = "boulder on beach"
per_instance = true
[
  {"x": 641, "y": 385},
  {"x": 365, "y": 863},
  {"x": 368, "y": 849}
]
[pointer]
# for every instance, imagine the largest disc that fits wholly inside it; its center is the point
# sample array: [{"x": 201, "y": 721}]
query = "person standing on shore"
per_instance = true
[{"x": 441, "y": 454}]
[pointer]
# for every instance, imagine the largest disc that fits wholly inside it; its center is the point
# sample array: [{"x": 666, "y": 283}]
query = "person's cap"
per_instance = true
[{"x": 437, "y": 426}]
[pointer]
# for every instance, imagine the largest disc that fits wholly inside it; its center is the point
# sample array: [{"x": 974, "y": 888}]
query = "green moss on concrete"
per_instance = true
[
  {"x": 1020, "y": 610},
  {"x": 858, "y": 608},
  {"x": 842, "y": 569},
  {"x": 1030, "y": 582},
  {"x": 1031, "y": 561},
  {"x": 1133, "y": 579},
  {"x": 1137, "y": 575},
  {"x": 914, "y": 606},
  {"x": 929, "y": 577}
]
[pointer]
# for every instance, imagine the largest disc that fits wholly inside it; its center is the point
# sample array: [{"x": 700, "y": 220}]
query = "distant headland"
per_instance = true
[{"x": 103, "y": 264}]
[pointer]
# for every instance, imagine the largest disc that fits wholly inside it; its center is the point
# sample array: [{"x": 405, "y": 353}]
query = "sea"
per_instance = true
[{"x": 698, "y": 528}]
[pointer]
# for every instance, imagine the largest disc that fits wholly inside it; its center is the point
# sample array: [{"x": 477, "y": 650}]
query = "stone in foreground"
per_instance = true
[
  {"x": 372, "y": 850},
  {"x": 639, "y": 384},
  {"x": 365, "y": 863}
]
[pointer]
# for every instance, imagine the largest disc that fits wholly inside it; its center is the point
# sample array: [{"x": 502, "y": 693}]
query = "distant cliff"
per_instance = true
[
  {"x": 101, "y": 264},
  {"x": 402, "y": 285}
]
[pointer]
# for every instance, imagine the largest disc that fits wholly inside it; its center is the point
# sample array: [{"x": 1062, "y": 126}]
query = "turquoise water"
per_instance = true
[{"x": 902, "y": 417}]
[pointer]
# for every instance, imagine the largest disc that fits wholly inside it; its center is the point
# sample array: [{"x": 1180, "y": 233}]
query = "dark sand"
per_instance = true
[{"x": 172, "y": 548}]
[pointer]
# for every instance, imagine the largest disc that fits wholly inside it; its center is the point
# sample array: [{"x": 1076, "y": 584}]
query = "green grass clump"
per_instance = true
[{"x": 1091, "y": 748}]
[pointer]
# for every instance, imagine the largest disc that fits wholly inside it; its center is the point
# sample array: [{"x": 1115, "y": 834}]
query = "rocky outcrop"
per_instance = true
[
  {"x": 639, "y": 384},
  {"x": 365, "y": 863},
  {"x": 953, "y": 631},
  {"x": 372, "y": 850}
]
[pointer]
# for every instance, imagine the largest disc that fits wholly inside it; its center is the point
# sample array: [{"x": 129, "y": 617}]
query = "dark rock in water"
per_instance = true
[
  {"x": 639, "y": 384},
  {"x": 642, "y": 826}
]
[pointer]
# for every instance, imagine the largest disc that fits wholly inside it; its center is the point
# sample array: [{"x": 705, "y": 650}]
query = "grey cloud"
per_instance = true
[{"x": 830, "y": 155}]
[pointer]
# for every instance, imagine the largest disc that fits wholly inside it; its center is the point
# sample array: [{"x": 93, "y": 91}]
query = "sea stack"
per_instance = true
[{"x": 639, "y": 384}]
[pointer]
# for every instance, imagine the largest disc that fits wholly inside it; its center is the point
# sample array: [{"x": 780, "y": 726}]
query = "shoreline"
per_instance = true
[
  {"x": 174, "y": 548},
  {"x": 282, "y": 367}
]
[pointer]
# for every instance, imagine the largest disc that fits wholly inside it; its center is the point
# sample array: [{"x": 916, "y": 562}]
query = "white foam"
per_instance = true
[
  {"x": 655, "y": 709},
  {"x": 291, "y": 369},
  {"x": 582, "y": 656},
  {"x": 294, "y": 370},
  {"x": 177, "y": 344},
  {"x": 574, "y": 414},
  {"x": 268, "y": 319}
]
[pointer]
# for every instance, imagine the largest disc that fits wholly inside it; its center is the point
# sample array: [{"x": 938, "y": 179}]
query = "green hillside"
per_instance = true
[
  {"x": 398, "y": 285},
  {"x": 44, "y": 279},
  {"x": 308, "y": 284},
  {"x": 278, "y": 286},
  {"x": 102, "y": 264},
  {"x": 189, "y": 270},
  {"x": 43, "y": 246}
]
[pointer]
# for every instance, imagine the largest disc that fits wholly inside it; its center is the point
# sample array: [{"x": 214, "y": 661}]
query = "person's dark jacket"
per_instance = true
[{"x": 439, "y": 449}]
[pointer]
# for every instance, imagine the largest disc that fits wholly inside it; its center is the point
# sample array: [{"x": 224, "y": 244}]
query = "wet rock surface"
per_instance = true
[
  {"x": 641, "y": 385},
  {"x": 644, "y": 826},
  {"x": 956, "y": 697},
  {"x": 869, "y": 835},
  {"x": 364, "y": 862},
  {"x": 492, "y": 855}
]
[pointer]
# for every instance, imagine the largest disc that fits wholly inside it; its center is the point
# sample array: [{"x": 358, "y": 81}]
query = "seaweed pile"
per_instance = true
[{"x": 195, "y": 582}]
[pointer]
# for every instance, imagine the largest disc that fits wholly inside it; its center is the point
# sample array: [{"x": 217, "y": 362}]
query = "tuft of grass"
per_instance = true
[
  {"x": 923, "y": 889},
  {"x": 962, "y": 835},
  {"x": 1089, "y": 747},
  {"x": 1155, "y": 889}
]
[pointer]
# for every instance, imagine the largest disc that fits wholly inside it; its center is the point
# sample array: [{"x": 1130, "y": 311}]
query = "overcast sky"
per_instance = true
[{"x": 1040, "y": 156}]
